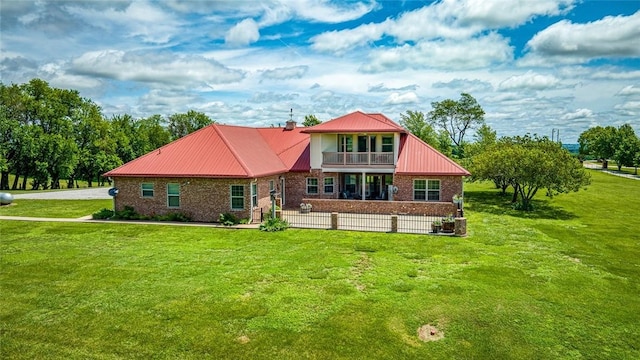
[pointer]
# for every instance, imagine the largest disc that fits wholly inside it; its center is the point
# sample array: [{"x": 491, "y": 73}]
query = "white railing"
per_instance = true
[{"x": 357, "y": 158}]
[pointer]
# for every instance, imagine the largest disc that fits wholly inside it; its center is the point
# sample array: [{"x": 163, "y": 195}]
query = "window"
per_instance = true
[
  {"x": 387, "y": 143},
  {"x": 345, "y": 143},
  {"x": 419, "y": 189},
  {"x": 312, "y": 185},
  {"x": 173, "y": 195},
  {"x": 237, "y": 197},
  {"x": 147, "y": 190},
  {"x": 328, "y": 185},
  {"x": 426, "y": 190},
  {"x": 271, "y": 185},
  {"x": 433, "y": 188},
  {"x": 254, "y": 194}
]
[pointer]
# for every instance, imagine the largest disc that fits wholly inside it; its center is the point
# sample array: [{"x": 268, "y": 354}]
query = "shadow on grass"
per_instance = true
[{"x": 493, "y": 202}]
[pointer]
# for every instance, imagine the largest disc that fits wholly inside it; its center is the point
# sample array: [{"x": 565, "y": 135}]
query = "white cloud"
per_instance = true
[
  {"x": 292, "y": 72},
  {"x": 629, "y": 90},
  {"x": 447, "y": 19},
  {"x": 632, "y": 106},
  {"x": 243, "y": 33},
  {"x": 339, "y": 42},
  {"x": 161, "y": 69},
  {"x": 139, "y": 19},
  {"x": 578, "y": 114},
  {"x": 446, "y": 54},
  {"x": 502, "y": 13},
  {"x": 610, "y": 37},
  {"x": 327, "y": 12},
  {"x": 530, "y": 80},
  {"x": 406, "y": 98}
]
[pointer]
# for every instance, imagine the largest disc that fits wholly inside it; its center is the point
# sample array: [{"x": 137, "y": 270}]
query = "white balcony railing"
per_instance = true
[{"x": 357, "y": 158}]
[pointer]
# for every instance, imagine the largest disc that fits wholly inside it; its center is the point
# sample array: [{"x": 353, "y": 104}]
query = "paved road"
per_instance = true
[
  {"x": 79, "y": 194},
  {"x": 599, "y": 167}
]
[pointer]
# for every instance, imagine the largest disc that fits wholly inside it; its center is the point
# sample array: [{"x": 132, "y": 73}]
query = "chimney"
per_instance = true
[{"x": 290, "y": 125}]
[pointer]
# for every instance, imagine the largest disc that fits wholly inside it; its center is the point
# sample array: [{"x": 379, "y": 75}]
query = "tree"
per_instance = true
[
  {"x": 183, "y": 124},
  {"x": 416, "y": 123},
  {"x": 529, "y": 164},
  {"x": 484, "y": 137},
  {"x": 310, "y": 120},
  {"x": 625, "y": 146},
  {"x": 456, "y": 117},
  {"x": 598, "y": 142}
]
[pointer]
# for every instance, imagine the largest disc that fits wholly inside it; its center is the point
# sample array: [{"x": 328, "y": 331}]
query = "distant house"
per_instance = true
[{"x": 357, "y": 162}]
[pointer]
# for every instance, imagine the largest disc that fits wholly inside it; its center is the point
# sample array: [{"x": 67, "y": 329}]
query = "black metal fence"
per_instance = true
[{"x": 402, "y": 223}]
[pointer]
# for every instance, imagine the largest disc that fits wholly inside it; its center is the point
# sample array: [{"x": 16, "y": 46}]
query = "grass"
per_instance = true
[
  {"x": 55, "y": 208},
  {"x": 560, "y": 283},
  {"x": 82, "y": 184}
]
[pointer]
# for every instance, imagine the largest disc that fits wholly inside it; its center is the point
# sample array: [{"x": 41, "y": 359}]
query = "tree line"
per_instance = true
[
  {"x": 610, "y": 143},
  {"x": 50, "y": 135},
  {"x": 526, "y": 163}
]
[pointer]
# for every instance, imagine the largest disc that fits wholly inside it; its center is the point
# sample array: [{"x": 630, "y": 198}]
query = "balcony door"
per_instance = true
[{"x": 366, "y": 143}]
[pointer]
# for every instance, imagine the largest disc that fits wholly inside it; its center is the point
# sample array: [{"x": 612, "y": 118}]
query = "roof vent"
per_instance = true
[{"x": 290, "y": 125}]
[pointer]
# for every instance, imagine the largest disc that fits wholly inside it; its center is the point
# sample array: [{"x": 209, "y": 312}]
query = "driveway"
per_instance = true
[{"x": 79, "y": 194}]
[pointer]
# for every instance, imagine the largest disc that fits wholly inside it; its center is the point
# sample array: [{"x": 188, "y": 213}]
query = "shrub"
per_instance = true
[
  {"x": 228, "y": 219},
  {"x": 129, "y": 213},
  {"x": 177, "y": 216},
  {"x": 274, "y": 224},
  {"x": 103, "y": 214}
]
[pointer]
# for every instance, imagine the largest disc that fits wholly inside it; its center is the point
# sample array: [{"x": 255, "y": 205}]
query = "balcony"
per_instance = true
[{"x": 357, "y": 158}]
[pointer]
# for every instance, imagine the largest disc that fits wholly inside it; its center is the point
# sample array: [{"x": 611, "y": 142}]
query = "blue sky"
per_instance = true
[{"x": 533, "y": 65}]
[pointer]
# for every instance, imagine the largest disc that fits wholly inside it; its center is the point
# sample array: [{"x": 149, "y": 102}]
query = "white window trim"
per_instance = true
[
  {"x": 317, "y": 185},
  {"x": 231, "y": 197},
  {"x": 333, "y": 185},
  {"x": 153, "y": 190},
  {"x": 251, "y": 186},
  {"x": 427, "y": 190},
  {"x": 178, "y": 195}
]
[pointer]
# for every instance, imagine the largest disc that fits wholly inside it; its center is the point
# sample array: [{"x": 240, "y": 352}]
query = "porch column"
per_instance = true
[{"x": 364, "y": 184}]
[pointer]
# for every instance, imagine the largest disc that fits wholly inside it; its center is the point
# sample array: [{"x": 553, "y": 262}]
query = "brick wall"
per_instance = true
[
  {"x": 201, "y": 199},
  {"x": 296, "y": 187},
  {"x": 382, "y": 206},
  {"x": 449, "y": 186}
]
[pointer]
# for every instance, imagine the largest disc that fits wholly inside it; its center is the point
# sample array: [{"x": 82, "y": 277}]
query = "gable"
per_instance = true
[{"x": 357, "y": 122}]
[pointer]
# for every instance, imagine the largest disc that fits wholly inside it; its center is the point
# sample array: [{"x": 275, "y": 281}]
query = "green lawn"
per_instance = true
[
  {"x": 55, "y": 208},
  {"x": 560, "y": 283}
]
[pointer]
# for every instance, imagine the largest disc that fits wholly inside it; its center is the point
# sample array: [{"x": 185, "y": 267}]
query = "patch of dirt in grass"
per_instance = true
[
  {"x": 243, "y": 339},
  {"x": 361, "y": 266},
  {"x": 429, "y": 332}
]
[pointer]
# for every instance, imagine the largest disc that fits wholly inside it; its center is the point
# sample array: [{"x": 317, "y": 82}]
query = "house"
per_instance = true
[{"x": 355, "y": 163}]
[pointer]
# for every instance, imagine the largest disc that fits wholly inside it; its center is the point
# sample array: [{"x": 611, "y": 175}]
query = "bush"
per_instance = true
[
  {"x": 177, "y": 216},
  {"x": 103, "y": 214},
  {"x": 274, "y": 224},
  {"x": 129, "y": 213},
  {"x": 228, "y": 219}
]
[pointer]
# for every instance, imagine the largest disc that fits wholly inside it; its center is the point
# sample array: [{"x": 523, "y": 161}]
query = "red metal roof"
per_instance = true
[
  {"x": 215, "y": 151},
  {"x": 243, "y": 152},
  {"x": 418, "y": 158},
  {"x": 357, "y": 122}
]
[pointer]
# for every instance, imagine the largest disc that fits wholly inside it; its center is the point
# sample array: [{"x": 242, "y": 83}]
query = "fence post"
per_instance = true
[
  {"x": 461, "y": 226},
  {"x": 394, "y": 223},
  {"x": 334, "y": 221}
]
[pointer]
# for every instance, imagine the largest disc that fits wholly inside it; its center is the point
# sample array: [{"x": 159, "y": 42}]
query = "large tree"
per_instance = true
[
  {"x": 457, "y": 117},
  {"x": 626, "y": 145},
  {"x": 598, "y": 142},
  {"x": 530, "y": 164}
]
